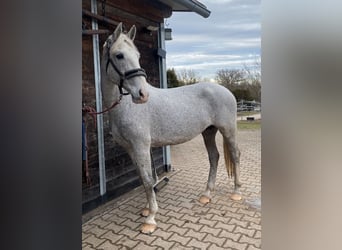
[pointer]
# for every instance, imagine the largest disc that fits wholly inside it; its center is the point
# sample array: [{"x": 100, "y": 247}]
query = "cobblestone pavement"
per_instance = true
[{"x": 184, "y": 223}]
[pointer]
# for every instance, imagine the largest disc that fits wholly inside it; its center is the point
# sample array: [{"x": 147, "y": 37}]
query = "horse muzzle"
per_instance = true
[{"x": 141, "y": 98}]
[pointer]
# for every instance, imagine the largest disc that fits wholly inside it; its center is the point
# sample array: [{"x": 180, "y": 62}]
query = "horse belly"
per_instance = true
[{"x": 177, "y": 133}]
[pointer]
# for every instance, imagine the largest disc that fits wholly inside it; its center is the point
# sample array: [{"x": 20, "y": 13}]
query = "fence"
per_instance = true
[{"x": 248, "y": 106}]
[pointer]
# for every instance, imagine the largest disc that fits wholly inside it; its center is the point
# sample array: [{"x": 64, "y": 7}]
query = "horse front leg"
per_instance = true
[{"x": 141, "y": 158}]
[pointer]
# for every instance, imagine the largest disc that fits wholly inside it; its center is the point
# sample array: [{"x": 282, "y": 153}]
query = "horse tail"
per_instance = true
[{"x": 230, "y": 165}]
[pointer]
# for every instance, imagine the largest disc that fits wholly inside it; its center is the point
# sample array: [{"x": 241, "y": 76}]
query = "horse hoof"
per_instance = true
[
  {"x": 145, "y": 212},
  {"x": 148, "y": 228},
  {"x": 236, "y": 197},
  {"x": 204, "y": 199}
]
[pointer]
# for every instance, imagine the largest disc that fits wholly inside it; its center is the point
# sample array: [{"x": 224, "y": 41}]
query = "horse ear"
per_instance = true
[
  {"x": 132, "y": 32},
  {"x": 117, "y": 32},
  {"x": 109, "y": 42}
]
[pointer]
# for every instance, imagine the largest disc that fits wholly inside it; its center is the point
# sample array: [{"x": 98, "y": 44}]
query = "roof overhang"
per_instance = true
[{"x": 188, "y": 6}]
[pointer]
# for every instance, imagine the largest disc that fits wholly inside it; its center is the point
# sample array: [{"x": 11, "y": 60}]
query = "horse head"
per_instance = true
[{"x": 122, "y": 64}]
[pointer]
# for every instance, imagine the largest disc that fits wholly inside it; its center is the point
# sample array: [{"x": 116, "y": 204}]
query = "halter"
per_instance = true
[{"x": 126, "y": 75}]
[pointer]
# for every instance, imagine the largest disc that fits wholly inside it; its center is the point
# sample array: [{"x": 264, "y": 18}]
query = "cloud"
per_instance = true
[{"x": 226, "y": 39}]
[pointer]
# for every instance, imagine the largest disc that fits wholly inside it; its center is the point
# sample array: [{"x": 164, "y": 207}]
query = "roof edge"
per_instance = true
[{"x": 195, "y": 6}]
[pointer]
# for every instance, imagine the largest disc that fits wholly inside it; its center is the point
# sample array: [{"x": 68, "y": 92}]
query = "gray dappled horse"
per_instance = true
[{"x": 164, "y": 117}]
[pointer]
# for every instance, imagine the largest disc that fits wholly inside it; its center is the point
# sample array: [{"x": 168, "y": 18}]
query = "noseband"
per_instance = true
[{"x": 126, "y": 75}]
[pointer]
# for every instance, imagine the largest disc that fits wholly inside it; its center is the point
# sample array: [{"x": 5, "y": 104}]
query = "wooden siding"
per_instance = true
[{"x": 120, "y": 173}]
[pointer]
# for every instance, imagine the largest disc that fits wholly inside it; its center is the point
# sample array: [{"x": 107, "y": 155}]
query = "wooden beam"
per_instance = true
[
  {"x": 100, "y": 18},
  {"x": 93, "y": 32}
]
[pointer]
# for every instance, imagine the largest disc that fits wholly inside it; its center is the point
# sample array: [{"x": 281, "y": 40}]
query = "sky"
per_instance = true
[{"x": 229, "y": 38}]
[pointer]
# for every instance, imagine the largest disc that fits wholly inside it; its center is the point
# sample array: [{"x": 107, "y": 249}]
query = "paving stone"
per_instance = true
[
  {"x": 165, "y": 244},
  {"x": 87, "y": 226},
  {"x": 85, "y": 244},
  {"x": 173, "y": 208},
  {"x": 194, "y": 234},
  {"x": 214, "y": 239},
  {"x": 248, "y": 232},
  {"x": 114, "y": 227},
  {"x": 145, "y": 238},
  {"x": 132, "y": 216},
  {"x": 194, "y": 226},
  {"x": 165, "y": 235},
  {"x": 129, "y": 232},
  {"x": 112, "y": 237},
  {"x": 249, "y": 240},
  {"x": 107, "y": 245},
  {"x": 180, "y": 239},
  {"x": 100, "y": 222},
  {"x": 246, "y": 212},
  {"x": 164, "y": 226},
  {"x": 257, "y": 235},
  {"x": 229, "y": 235},
  {"x": 176, "y": 222},
  {"x": 97, "y": 231},
  {"x": 131, "y": 224},
  {"x": 216, "y": 247},
  {"x": 178, "y": 246},
  {"x": 218, "y": 212},
  {"x": 88, "y": 247},
  {"x": 235, "y": 245},
  {"x": 163, "y": 218},
  {"x": 177, "y": 229},
  {"x": 174, "y": 214},
  {"x": 116, "y": 219},
  {"x": 189, "y": 218},
  {"x": 251, "y": 247},
  {"x": 143, "y": 246},
  {"x": 127, "y": 242},
  {"x": 93, "y": 241},
  {"x": 209, "y": 223},
  {"x": 238, "y": 222},
  {"x": 225, "y": 226},
  {"x": 213, "y": 231},
  {"x": 85, "y": 235},
  {"x": 118, "y": 212},
  {"x": 198, "y": 244},
  {"x": 133, "y": 209},
  {"x": 254, "y": 226},
  {"x": 251, "y": 219}
]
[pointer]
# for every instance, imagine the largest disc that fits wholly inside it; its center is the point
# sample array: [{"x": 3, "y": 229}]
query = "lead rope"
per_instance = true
[{"x": 91, "y": 111}]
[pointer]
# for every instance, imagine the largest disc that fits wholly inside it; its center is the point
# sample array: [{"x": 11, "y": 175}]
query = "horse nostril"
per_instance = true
[{"x": 141, "y": 93}]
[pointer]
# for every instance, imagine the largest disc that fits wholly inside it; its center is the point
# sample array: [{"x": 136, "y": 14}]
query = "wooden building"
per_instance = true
[{"x": 107, "y": 170}]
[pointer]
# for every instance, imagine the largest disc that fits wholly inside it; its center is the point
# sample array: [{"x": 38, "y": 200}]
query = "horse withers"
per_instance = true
[{"x": 157, "y": 117}]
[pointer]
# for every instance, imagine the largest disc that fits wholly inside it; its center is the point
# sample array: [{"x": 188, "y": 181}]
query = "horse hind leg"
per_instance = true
[
  {"x": 210, "y": 144},
  {"x": 232, "y": 161}
]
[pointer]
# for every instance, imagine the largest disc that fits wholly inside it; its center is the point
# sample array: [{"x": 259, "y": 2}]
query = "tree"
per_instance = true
[
  {"x": 230, "y": 78},
  {"x": 187, "y": 76},
  {"x": 172, "y": 80},
  {"x": 253, "y": 77}
]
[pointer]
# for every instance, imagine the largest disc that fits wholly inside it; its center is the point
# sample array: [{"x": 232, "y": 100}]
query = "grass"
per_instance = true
[{"x": 256, "y": 124}]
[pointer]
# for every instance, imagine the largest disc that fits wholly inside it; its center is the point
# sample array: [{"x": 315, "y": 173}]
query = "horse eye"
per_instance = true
[{"x": 119, "y": 56}]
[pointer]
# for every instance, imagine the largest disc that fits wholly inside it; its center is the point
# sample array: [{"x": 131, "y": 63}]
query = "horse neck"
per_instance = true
[{"x": 110, "y": 90}]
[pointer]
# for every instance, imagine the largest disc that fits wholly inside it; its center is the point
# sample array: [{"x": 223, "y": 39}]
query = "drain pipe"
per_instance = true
[
  {"x": 163, "y": 84},
  {"x": 97, "y": 75}
]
